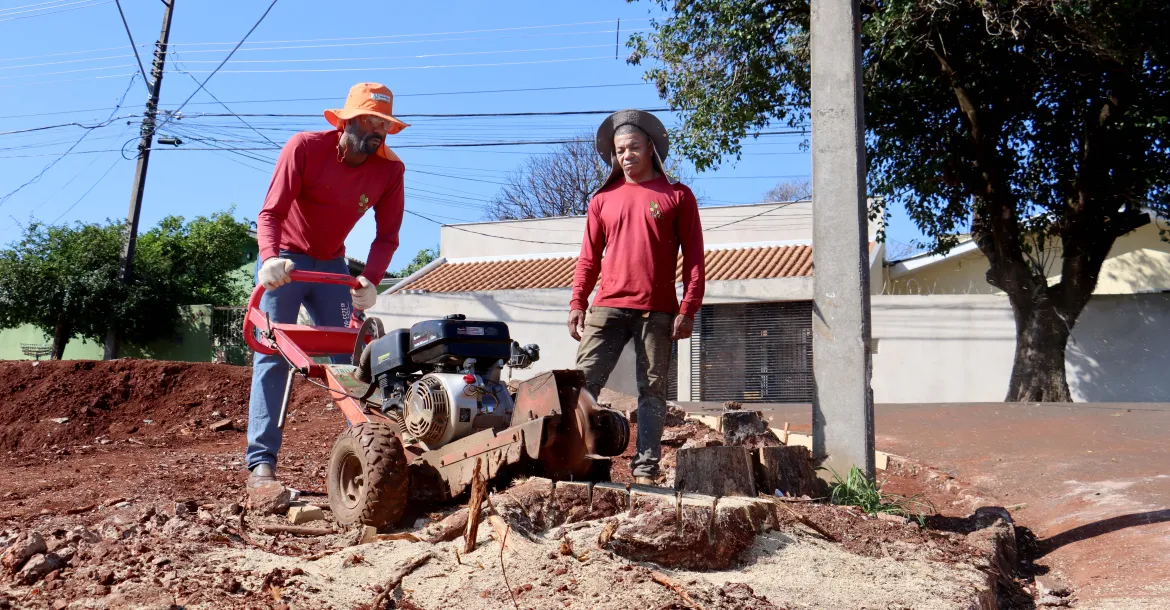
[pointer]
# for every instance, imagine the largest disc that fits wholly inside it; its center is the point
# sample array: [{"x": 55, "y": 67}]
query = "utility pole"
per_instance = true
[
  {"x": 843, "y": 430},
  {"x": 114, "y": 336}
]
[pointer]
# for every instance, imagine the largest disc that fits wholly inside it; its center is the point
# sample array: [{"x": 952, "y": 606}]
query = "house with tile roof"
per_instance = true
[{"x": 940, "y": 333}]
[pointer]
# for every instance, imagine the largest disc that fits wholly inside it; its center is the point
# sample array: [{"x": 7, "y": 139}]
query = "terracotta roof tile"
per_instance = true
[{"x": 557, "y": 272}]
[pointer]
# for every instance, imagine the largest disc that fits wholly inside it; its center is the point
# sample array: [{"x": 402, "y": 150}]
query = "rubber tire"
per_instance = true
[{"x": 383, "y": 464}]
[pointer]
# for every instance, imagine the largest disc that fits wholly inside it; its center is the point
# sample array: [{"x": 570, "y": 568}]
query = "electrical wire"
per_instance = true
[
  {"x": 241, "y": 118},
  {"x": 382, "y": 37},
  {"x": 456, "y": 115},
  {"x": 396, "y": 68},
  {"x": 70, "y": 149},
  {"x": 133, "y": 47},
  {"x": 459, "y": 228},
  {"x": 420, "y": 56},
  {"x": 225, "y": 60},
  {"x": 334, "y": 99},
  {"x": 86, "y": 193},
  {"x": 62, "y": 10}
]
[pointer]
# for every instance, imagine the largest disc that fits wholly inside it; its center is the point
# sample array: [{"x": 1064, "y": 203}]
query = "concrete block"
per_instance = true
[{"x": 305, "y": 514}]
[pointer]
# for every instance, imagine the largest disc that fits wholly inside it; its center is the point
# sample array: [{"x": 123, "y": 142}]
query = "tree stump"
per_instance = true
[
  {"x": 747, "y": 429},
  {"x": 788, "y": 469},
  {"x": 716, "y": 471}
]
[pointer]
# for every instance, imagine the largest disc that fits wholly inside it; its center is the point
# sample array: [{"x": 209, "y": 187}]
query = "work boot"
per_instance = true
[{"x": 261, "y": 474}]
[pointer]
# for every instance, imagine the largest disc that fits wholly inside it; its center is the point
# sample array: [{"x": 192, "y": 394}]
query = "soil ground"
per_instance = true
[
  {"x": 1090, "y": 480},
  {"x": 148, "y": 495}
]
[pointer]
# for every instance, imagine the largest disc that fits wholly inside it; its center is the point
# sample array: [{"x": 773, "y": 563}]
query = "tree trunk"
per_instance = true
[
  {"x": 61, "y": 335},
  {"x": 1038, "y": 371}
]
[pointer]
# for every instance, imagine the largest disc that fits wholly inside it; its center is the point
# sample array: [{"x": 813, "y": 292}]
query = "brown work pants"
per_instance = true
[{"x": 607, "y": 330}]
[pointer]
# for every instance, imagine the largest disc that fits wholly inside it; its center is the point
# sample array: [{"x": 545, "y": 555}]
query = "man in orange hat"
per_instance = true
[{"x": 324, "y": 182}]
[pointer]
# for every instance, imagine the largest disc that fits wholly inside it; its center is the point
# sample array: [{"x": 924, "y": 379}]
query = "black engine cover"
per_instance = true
[{"x": 450, "y": 341}]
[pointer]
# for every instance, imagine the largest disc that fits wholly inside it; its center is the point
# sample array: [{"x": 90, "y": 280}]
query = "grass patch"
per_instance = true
[{"x": 858, "y": 490}]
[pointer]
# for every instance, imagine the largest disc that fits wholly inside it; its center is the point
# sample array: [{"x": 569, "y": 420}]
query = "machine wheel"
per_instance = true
[
  {"x": 368, "y": 479},
  {"x": 611, "y": 432}
]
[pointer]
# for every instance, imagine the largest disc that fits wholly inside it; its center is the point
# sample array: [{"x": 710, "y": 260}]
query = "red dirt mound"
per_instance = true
[{"x": 120, "y": 399}]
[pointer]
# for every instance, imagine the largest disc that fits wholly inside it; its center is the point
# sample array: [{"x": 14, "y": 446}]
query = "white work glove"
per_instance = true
[
  {"x": 364, "y": 297},
  {"x": 274, "y": 272}
]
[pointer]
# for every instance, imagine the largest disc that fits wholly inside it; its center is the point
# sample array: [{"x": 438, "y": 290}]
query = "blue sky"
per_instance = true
[{"x": 69, "y": 61}]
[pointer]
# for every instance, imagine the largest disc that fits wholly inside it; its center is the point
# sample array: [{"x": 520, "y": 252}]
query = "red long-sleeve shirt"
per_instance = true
[
  {"x": 641, "y": 227},
  {"x": 315, "y": 200}
]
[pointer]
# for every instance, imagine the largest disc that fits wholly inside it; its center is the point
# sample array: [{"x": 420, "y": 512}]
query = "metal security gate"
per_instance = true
[
  {"x": 227, "y": 336},
  {"x": 672, "y": 375},
  {"x": 755, "y": 352}
]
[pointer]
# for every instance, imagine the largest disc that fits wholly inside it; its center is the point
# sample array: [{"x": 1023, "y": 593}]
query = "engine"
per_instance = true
[{"x": 441, "y": 378}]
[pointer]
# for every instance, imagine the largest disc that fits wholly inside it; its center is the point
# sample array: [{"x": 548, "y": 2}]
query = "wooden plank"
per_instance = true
[{"x": 716, "y": 471}]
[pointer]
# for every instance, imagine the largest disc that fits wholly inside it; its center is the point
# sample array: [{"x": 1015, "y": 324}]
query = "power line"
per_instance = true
[
  {"x": 396, "y": 68},
  {"x": 382, "y": 37},
  {"x": 420, "y": 56},
  {"x": 52, "y": 12},
  {"x": 86, "y": 193},
  {"x": 458, "y": 228},
  {"x": 334, "y": 98},
  {"x": 458, "y": 115},
  {"x": 70, "y": 149},
  {"x": 13, "y": 8},
  {"x": 133, "y": 47},
  {"x": 225, "y": 60},
  {"x": 241, "y": 119}
]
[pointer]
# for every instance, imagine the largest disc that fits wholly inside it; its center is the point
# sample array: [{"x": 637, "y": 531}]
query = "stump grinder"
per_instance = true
[{"x": 424, "y": 404}]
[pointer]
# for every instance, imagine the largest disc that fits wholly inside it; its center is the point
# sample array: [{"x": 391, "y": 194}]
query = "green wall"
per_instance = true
[{"x": 191, "y": 343}]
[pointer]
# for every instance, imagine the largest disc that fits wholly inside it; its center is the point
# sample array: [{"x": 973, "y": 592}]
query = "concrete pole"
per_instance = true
[{"x": 843, "y": 401}]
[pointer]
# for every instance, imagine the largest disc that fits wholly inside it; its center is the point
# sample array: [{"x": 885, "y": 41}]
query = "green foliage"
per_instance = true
[
  {"x": 64, "y": 279},
  {"x": 1039, "y": 126},
  {"x": 1069, "y": 101},
  {"x": 858, "y": 490},
  {"x": 424, "y": 257}
]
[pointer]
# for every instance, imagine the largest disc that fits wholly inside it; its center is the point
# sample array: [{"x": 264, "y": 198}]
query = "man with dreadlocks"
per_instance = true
[
  {"x": 324, "y": 182},
  {"x": 640, "y": 219}
]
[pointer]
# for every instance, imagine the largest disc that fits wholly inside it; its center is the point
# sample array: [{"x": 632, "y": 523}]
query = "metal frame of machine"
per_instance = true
[{"x": 556, "y": 429}]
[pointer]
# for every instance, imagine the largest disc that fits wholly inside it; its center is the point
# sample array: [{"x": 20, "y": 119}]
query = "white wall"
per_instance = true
[
  {"x": 959, "y": 348},
  {"x": 752, "y": 223},
  {"x": 941, "y": 348}
]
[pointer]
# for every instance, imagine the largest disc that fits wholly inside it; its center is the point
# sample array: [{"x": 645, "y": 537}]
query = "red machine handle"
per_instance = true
[{"x": 312, "y": 277}]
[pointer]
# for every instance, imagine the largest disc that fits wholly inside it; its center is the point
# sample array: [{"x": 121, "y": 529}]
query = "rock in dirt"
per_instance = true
[
  {"x": 675, "y": 416},
  {"x": 25, "y": 546},
  {"x": 305, "y": 514},
  {"x": 38, "y": 567},
  {"x": 995, "y": 536},
  {"x": 449, "y": 528},
  {"x": 222, "y": 425},
  {"x": 269, "y": 498}
]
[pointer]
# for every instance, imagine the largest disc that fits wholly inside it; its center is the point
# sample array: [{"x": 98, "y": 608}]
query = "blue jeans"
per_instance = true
[{"x": 328, "y": 305}]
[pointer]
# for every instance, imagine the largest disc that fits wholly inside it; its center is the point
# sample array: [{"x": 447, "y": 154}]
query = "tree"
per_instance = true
[
  {"x": 559, "y": 183},
  {"x": 424, "y": 257},
  {"x": 790, "y": 190},
  {"x": 556, "y": 184},
  {"x": 1040, "y": 125},
  {"x": 64, "y": 279}
]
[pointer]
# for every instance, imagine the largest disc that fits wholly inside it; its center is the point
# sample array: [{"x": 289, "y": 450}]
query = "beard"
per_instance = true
[{"x": 367, "y": 145}]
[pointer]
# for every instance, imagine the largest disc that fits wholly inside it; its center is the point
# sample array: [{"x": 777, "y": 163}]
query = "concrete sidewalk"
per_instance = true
[{"x": 1091, "y": 480}]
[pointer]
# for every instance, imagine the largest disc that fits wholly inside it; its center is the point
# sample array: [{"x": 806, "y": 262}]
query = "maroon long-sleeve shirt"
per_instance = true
[
  {"x": 315, "y": 200},
  {"x": 640, "y": 228}
]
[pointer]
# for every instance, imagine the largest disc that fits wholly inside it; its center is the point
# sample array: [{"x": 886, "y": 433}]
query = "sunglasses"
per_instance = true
[{"x": 374, "y": 123}]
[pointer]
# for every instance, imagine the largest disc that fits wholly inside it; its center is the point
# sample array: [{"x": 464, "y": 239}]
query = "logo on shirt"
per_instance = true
[
  {"x": 363, "y": 202},
  {"x": 655, "y": 211}
]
